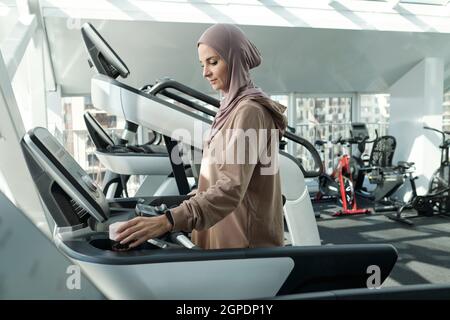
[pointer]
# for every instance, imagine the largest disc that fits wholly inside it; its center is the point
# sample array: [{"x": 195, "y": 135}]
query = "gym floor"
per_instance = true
[{"x": 424, "y": 249}]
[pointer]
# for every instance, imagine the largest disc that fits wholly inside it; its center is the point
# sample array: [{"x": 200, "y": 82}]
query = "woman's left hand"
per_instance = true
[{"x": 141, "y": 229}]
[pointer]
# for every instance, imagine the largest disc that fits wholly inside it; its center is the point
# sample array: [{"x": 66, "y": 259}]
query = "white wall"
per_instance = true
[{"x": 416, "y": 100}]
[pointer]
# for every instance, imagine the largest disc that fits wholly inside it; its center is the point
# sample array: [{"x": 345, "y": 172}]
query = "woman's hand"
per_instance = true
[
  {"x": 192, "y": 193},
  {"x": 140, "y": 229}
]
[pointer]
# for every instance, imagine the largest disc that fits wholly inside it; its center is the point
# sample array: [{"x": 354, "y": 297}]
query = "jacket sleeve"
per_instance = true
[{"x": 209, "y": 207}]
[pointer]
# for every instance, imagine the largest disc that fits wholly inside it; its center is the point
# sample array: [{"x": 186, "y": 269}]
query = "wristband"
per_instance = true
[{"x": 169, "y": 217}]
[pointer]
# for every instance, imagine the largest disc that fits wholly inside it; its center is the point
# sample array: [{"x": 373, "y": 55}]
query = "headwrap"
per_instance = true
[{"x": 240, "y": 56}]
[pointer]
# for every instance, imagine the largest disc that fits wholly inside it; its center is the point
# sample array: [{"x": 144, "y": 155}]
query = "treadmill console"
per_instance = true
[
  {"x": 359, "y": 130},
  {"x": 67, "y": 190},
  {"x": 102, "y": 56},
  {"x": 98, "y": 135}
]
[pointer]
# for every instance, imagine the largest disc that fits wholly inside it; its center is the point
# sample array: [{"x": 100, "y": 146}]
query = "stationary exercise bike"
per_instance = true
[
  {"x": 340, "y": 183},
  {"x": 328, "y": 190},
  {"x": 378, "y": 169},
  {"x": 437, "y": 199}
]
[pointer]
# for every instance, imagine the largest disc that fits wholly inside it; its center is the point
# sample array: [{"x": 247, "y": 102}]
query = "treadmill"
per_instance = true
[
  {"x": 169, "y": 268},
  {"x": 151, "y": 109}
]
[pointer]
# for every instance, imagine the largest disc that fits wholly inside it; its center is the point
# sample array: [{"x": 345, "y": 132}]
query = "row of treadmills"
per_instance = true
[{"x": 80, "y": 211}]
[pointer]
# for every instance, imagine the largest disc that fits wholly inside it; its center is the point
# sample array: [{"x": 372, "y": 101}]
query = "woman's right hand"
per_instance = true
[{"x": 140, "y": 229}]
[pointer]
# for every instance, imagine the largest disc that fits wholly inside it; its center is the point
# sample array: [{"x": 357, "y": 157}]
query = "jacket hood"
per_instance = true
[{"x": 277, "y": 110}]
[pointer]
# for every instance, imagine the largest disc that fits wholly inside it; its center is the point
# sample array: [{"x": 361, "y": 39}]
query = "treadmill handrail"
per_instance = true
[
  {"x": 172, "y": 84},
  {"x": 187, "y": 102},
  {"x": 315, "y": 154}
]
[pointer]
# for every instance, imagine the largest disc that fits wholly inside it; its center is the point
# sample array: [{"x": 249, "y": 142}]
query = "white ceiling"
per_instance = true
[
  {"x": 295, "y": 59},
  {"x": 431, "y": 2}
]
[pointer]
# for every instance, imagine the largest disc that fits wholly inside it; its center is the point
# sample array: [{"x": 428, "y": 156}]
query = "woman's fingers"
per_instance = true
[
  {"x": 132, "y": 229},
  {"x": 136, "y": 235},
  {"x": 140, "y": 229},
  {"x": 128, "y": 224},
  {"x": 137, "y": 242}
]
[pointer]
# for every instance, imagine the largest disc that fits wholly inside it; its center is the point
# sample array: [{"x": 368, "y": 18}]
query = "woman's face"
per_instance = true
[{"x": 214, "y": 67}]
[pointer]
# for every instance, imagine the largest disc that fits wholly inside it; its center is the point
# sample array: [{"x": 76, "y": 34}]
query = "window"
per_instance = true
[
  {"x": 375, "y": 114},
  {"x": 322, "y": 118}
]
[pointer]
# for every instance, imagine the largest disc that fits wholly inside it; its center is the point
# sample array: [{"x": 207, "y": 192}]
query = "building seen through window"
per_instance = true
[{"x": 322, "y": 118}]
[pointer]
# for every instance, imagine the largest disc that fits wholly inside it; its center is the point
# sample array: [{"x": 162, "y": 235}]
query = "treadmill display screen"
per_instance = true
[
  {"x": 64, "y": 159},
  {"x": 80, "y": 184}
]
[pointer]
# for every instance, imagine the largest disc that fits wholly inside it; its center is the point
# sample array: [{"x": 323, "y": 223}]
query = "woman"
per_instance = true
[{"x": 236, "y": 205}]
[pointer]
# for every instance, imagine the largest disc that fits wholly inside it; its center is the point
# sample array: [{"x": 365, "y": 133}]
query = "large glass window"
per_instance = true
[
  {"x": 322, "y": 118},
  {"x": 375, "y": 113},
  {"x": 329, "y": 118}
]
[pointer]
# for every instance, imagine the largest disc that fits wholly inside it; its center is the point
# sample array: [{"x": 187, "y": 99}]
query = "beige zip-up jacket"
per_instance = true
[{"x": 238, "y": 205}]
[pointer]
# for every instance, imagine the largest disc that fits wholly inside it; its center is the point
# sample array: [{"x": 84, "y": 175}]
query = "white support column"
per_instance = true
[
  {"x": 416, "y": 100},
  {"x": 34, "y": 7},
  {"x": 36, "y": 74},
  {"x": 24, "y": 57},
  {"x": 15, "y": 179},
  {"x": 15, "y": 44}
]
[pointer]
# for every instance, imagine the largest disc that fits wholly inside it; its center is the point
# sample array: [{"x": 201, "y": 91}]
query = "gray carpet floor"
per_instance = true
[{"x": 424, "y": 249}]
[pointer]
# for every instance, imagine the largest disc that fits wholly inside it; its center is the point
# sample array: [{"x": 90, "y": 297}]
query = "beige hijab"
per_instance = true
[{"x": 240, "y": 56}]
